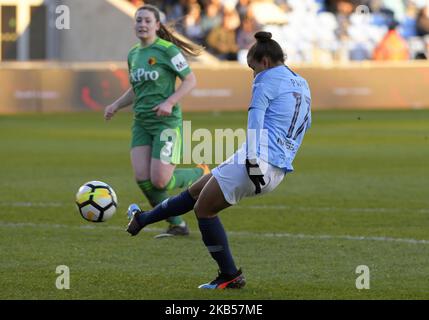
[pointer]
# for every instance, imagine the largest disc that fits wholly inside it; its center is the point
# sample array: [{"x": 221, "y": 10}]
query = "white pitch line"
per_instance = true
[
  {"x": 327, "y": 209},
  {"x": 32, "y": 204},
  {"x": 249, "y": 207},
  {"x": 232, "y": 233},
  {"x": 328, "y": 237}
]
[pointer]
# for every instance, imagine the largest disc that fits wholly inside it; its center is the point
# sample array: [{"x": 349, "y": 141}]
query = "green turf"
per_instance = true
[{"x": 361, "y": 183}]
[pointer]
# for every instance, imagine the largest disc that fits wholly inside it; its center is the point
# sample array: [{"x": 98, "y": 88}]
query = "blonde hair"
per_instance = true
[{"x": 168, "y": 33}]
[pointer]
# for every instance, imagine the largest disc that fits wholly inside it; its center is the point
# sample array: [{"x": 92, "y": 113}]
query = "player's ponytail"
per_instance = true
[
  {"x": 266, "y": 47},
  {"x": 168, "y": 33}
]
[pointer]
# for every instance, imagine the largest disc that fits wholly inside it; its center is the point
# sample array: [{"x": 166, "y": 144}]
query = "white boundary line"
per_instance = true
[
  {"x": 232, "y": 233},
  {"x": 327, "y": 209},
  {"x": 31, "y": 204},
  {"x": 249, "y": 207}
]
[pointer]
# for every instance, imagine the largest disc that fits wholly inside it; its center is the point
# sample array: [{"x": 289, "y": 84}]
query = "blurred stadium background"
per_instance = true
[
  {"x": 359, "y": 194},
  {"x": 44, "y": 68}
]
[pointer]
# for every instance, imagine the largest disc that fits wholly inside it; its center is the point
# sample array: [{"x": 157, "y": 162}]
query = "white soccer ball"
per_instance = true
[{"x": 96, "y": 201}]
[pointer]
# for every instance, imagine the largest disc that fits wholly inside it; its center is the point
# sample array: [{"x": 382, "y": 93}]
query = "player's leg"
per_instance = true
[
  {"x": 142, "y": 151},
  {"x": 141, "y": 159},
  {"x": 161, "y": 174},
  {"x": 166, "y": 153},
  {"x": 168, "y": 177},
  {"x": 153, "y": 179},
  {"x": 229, "y": 184},
  {"x": 211, "y": 201},
  {"x": 167, "y": 149},
  {"x": 141, "y": 162},
  {"x": 171, "y": 207}
]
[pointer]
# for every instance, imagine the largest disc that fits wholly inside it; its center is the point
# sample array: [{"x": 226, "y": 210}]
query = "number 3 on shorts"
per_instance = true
[{"x": 170, "y": 152}]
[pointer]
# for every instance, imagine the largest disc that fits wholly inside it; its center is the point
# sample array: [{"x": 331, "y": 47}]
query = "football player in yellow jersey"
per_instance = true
[{"x": 153, "y": 65}]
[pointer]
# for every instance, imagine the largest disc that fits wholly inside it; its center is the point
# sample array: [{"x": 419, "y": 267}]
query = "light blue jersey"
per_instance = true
[{"x": 279, "y": 115}]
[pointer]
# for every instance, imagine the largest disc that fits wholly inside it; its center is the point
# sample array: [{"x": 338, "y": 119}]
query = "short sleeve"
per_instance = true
[{"x": 177, "y": 62}]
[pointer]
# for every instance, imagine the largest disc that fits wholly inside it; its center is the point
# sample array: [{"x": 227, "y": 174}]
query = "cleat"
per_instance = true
[
  {"x": 174, "y": 230},
  {"x": 206, "y": 168},
  {"x": 226, "y": 281},
  {"x": 130, "y": 212},
  {"x": 133, "y": 213}
]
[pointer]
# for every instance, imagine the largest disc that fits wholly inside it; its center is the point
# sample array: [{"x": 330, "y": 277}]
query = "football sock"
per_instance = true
[
  {"x": 156, "y": 196},
  {"x": 153, "y": 195},
  {"x": 216, "y": 241},
  {"x": 169, "y": 208},
  {"x": 184, "y": 177},
  {"x": 177, "y": 221}
]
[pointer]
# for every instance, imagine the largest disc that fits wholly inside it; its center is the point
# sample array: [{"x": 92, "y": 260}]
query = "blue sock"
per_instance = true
[
  {"x": 214, "y": 237},
  {"x": 173, "y": 206}
]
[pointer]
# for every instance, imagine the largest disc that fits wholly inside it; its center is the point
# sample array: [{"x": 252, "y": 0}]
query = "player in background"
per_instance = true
[
  {"x": 279, "y": 115},
  {"x": 153, "y": 64}
]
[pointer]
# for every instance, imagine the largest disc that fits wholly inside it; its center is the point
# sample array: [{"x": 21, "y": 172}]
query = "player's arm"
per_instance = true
[
  {"x": 178, "y": 64},
  {"x": 188, "y": 83},
  {"x": 255, "y": 126},
  {"x": 255, "y": 120},
  {"x": 125, "y": 100}
]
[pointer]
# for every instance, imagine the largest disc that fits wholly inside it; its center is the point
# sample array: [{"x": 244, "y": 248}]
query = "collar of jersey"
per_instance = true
[
  {"x": 261, "y": 74},
  {"x": 140, "y": 44}
]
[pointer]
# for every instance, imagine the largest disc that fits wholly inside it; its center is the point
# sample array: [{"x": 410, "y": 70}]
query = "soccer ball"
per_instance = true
[{"x": 96, "y": 201}]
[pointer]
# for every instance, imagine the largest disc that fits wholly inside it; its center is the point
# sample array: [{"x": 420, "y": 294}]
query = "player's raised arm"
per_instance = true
[{"x": 125, "y": 100}]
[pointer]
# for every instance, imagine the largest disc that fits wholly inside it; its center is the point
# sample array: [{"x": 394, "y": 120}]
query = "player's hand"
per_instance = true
[
  {"x": 255, "y": 174},
  {"x": 110, "y": 111},
  {"x": 163, "y": 109}
]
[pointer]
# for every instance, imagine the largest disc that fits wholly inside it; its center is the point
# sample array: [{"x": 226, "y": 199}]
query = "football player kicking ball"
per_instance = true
[{"x": 279, "y": 115}]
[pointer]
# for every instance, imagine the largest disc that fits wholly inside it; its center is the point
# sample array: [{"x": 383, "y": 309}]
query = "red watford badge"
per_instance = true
[{"x": 151, "y": 61}]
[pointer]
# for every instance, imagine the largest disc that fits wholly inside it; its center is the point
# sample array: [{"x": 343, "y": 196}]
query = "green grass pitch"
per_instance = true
[{"x": 359, "y": 196}]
